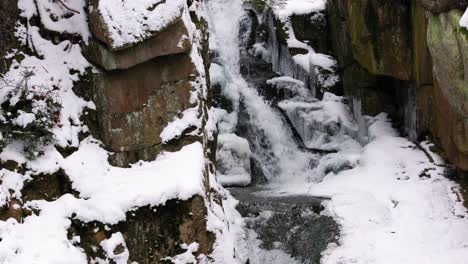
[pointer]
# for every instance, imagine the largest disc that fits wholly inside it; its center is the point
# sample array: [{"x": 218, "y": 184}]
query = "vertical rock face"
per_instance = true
[
  {"x": 135, "y": 105},
  {"x": 138, "y": 88},
  {"x": 379, "y": 32},
  {"x": 312, "y": 29},
  {"x": 448, "y": 44},
  {"x": 9, "y": 14},
  {"x": 439, "y": 6},
  {"x": 151, "y": 234},
  {"x": 141, "y": 88},
  {"x": 409, "y": 58}
]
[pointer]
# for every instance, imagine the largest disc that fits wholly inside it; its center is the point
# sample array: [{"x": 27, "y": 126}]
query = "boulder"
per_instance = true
[
  {"x": 448, "y": 45},
  {"x": 135, "y": 105},
  {"x": 440, "y": 6},
  {"x": 173, "y": 40},
  {"x": 312, "y": 29},
  {"x": 151, "y": 233},
  {"x": 124, "y": 25}
]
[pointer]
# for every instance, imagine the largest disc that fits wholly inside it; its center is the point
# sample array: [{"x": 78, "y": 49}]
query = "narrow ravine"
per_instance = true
[
  {"x": 310, "y": 174},
  {"x": 282, "y": 228}
]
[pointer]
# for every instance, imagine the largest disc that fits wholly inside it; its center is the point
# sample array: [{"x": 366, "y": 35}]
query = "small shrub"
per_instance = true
[{"x": 28, "y": 114}]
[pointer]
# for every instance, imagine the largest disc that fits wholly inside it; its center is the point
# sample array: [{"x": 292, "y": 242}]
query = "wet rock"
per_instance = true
[
  {"x": 9, "y": 14},
  {"x": 281, "y": 56},
  {"x": 380, "y": 36},
  {"x": 290, "y": 223},
  {"x": 422, "y": 69},
  {"x": 312, "y": 29}
]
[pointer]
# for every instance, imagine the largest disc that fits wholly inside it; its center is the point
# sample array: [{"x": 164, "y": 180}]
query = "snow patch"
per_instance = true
[
  {"x": 464, "y": 20},
  {"x": 131, "y": 21},
  {"x": 299, "y": 7},
  {"x": 112, "y": 244}
]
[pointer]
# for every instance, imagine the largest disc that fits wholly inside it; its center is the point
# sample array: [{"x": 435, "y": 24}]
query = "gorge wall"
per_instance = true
[
  {"x": 408, "y": 58},
  {"x": 405, "y": 58},
  {"x": 150, "y": 96}
]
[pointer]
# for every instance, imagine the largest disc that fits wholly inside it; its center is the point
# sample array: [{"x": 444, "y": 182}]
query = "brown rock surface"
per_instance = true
[
  {"x": 439, "y": 6},
  {"x": 135, "y": 105},
  {"x": 173, "y": 40}
]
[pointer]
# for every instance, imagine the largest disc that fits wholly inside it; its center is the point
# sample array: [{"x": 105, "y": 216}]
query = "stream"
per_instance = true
[{"x": 283, "y": 223}]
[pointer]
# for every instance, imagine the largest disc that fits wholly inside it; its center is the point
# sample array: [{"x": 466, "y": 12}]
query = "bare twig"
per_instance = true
[{"x": 67, "y": 7}]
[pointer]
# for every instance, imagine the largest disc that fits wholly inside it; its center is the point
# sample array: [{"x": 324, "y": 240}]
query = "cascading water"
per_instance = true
[
  {"x": 285, "y": 229},
  {"x": 281, "y": 160}
]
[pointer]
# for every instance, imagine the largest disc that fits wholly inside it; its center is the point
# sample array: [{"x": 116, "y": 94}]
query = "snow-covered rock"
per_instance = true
[
  {"x": 322, "y": 125},
  {"x": 124, "y": 23},
  {"x": 233, "y": 160}
]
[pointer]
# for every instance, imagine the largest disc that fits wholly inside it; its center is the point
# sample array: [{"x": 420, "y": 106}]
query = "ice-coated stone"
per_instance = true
[
  {"x": 324, "y": 125},
  {"x": 233, "y": 160}
]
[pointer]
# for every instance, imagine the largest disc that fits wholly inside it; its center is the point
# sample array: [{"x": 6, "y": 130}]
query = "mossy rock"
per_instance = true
[
  {"x": 151, "y": 233},
  {"x": 448, "y": 45},
  {"x": 380, "y": 36}
]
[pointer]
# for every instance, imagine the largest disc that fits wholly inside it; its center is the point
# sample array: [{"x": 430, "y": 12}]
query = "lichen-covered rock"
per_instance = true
[
  {"x": 135, "y": 105},
  {"x": 338, "y": 28},
  {"x": 425, "y": 83},
  {"x": 173, "y": 40},
  {"x": 448, "y": 45},
  {"x": 439, "y": 6},
  {"x": 151, "y": 234},
  {"x": 380, "y": 35},
  {"x": 422, "y": 69}
]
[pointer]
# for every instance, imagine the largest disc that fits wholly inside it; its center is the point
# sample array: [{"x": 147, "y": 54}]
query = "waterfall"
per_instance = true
[{"x": 273, "y": 145}]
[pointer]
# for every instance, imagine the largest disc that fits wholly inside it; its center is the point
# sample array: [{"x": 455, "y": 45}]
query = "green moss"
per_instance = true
[{"x": 372, "y": 22}]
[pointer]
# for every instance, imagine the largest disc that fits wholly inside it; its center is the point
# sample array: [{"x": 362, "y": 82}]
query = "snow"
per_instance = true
[
  {"x": 187, "y": 257},
  {"x": 55, "y": 17},
  {"x": 292, "y": 86},
  {"x": 315, "y": 59},
  {"x": 259, "y": 50},
  {"x": 132, "y": 21},
  {"x": 464, "y": 20},
  {"x": 233, "y": 160},
  {"x": 392, "y": 203},
  {"x": 104, "y": 193},
  {"x": 299, "y": 7},
  {"x": 109, "y": 246},
  {"x": 325, "y": 125},
  {"x": 24, "y": 119},
  {"x": 190, "y": 118},
  {"x": 53, "y": 70},
  {"x": 98, "y": 183},
  {"x": 389, "y": 211}
]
